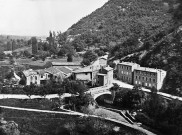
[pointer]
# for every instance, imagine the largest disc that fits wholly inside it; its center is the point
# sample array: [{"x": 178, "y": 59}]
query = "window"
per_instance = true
[
  {"x": 31, "y": 78},
  {"x": 139, "y": 77},
  {"x": 41, "y": 76},
  {"x": 150, "y": 79},
  {"x": 153, "y": 80},
  {"x": 35, "y": 77},
  {"x": 146, "y": 79},
  {"x": 136, "y": 77},
  {"x": 122, "y": 72},
  {"x": 135, "y": 82},
  {"x": 143, "y": 78}
]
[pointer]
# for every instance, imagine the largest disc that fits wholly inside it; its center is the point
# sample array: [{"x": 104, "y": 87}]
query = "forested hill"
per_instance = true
[{"x": 118, "y": 20}]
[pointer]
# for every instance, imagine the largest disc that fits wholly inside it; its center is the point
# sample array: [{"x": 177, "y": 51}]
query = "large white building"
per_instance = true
[{"x": 132, "y": 73}]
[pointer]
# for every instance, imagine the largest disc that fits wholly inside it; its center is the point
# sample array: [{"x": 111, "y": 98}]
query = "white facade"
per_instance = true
[
  {"x": 31, "y": 77},
  {"x": 83, "y": 76}
]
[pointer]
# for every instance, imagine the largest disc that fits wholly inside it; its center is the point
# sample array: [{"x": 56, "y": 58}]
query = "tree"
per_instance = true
[
  {"x": 155, "y": 106},
  {"x": 2, "y": 55},
  {"x": 70, "y": 57},
  {"x": 29, "y": 90},
  {"x": 34, "y": 45},
  {"x": 89, "y": 56},
  {"x": 114, "y": 89},
  {"x": 85, "y": 62}
]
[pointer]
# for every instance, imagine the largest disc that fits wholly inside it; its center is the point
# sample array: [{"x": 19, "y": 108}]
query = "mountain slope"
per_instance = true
[{"x": 118, "y": 20}]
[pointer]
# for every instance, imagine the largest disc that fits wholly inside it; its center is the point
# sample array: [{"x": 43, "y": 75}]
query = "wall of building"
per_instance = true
[
  {"x": 33, "y": 79},
  {"x": 124, "y": 73},
  {"x": 83, "y": 76},
  {"x": 144, "y": 78},
  {"x": 102, "y": 62}
]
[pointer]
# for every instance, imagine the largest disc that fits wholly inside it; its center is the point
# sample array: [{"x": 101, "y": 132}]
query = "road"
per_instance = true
[{"x": 164, "y": 95}]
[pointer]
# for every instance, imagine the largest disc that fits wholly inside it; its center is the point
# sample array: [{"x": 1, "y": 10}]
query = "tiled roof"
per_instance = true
[
  {"x": 149, "y": 69},
  {"x": 87, "y": 69},
  {"x": 29, "y": 72},
  {"x": 40, "y": 71},
  {"x": 64, "y": 69},
  {"x": 128, "y": 64},
  {"x": 52, "y": 70}
]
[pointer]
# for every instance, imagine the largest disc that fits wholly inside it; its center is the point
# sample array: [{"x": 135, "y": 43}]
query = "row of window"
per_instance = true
[
  {"x": 145, "y": 84},
  {"x": 145, "y": 79},
  {"x": 124, "y": 78},
  {"x": 145, "y": 73},
  {"x": 125, "y": 67},
  {"x": 31, "y": 78},
  {"x": 126, "y": 73}
]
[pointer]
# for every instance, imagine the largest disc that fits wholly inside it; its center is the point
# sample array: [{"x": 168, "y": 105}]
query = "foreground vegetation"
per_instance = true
[
  {"x": 36, "y": 123},
  {"x": 151, "y": 109}
]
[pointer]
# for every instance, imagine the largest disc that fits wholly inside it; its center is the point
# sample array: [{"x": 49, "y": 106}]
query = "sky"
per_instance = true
[{"x": 38, "y": 17}]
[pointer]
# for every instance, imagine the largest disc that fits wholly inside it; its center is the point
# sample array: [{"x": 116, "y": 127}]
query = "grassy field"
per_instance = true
[{"x": 109, "y": 114}]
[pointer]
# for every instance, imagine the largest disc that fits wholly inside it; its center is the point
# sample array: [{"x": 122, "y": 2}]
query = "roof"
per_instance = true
[
  {"x": 149, "y": 69},
  {"x": 66, "y": 64},
  {"x": 108, "y": 68},
  {"x": 65, "y": 70},
  {"x": 128, "y": 63},
  {"x": 52, "y": 70},
  {"x": 29, "y": 72},
  {"x": 87, "y": 69},
  {"x": 104, "y": 57},
  {"x": 41, "y": 71}
]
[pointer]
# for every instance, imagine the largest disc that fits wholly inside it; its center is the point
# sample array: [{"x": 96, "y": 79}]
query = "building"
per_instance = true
[
  {"x": 102, "y": 61},
  {"x": 43, "y": 76},
  {"x": 54, "y": 74},
  {"x": 132, "y": 73},
  {"x": 149, "y": 77},
  {"x": 105, "y": 76},
  {"x": 72, "y": 65},
  {"x": 125, "y": 71},
  {"x": 32, "y": 77},
  {"x": 87, "y": 74},
  {"x": 65, "y": 70}
]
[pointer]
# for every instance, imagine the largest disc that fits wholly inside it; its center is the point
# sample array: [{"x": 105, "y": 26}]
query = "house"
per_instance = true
[
  {"x": 87, "y": 74},
  {"x": 43, "y": 76},
  {"x": 54, "y": 74},
  {"x": 149, "y": 77},
  {"x": 132, "y": 73},
  {"x": 105, "y": 76},
  {"x": 8, "y": 52},
  {"x": 65, "y": 70},
  {"x": 125, "y": 71},
  {"x": 102, "y": 61},
  {"x": 32, "y": 77}
]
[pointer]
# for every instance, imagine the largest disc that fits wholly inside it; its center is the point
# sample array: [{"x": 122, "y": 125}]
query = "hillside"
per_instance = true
[
  {"x": 119, "y": 20},
  {"x": 148, "y": 29}
]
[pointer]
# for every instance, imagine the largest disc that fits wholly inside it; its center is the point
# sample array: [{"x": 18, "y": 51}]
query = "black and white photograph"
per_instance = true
[{"x": 91, "y": 67}]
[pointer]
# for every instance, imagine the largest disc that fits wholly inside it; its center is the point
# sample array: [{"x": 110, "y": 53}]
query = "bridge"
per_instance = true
[{"x": 98, "y": 91}]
